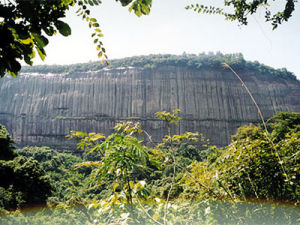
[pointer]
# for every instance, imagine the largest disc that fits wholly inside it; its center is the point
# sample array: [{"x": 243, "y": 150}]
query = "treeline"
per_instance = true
[{"x": 191, "y": 61}]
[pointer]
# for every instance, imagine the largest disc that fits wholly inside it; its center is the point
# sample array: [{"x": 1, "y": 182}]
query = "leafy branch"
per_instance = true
[
  {"x": 84, "y": 12},
  {"x": 242, "y": 9}
]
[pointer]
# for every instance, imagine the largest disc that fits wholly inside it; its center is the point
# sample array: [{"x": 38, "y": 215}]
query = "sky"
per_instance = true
[{"x": 171, "y": 29}]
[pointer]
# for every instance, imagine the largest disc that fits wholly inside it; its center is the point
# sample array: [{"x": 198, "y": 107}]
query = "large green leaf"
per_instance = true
[
  {"x": 63, "y": 28},
  {"x": 40, "y": 40}
]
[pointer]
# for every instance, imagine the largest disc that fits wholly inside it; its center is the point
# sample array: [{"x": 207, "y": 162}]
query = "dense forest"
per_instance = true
[
  {"x": 119, "y": 180},
  {"x": 192, "y": 61}
]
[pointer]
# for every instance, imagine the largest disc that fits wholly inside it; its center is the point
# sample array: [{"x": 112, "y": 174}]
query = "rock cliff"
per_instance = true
[{"x": 41, "y": 108}]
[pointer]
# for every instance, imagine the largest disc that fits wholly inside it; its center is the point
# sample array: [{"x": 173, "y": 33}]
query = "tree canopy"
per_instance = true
[
  {"x": 25, "y": 26},
  {"x": 23, "y": 181}
]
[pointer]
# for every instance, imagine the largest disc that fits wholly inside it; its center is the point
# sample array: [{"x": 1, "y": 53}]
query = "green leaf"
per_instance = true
[
  {"x": 63, "y": 28},
  {"x": 12, "y": 73},
  {"x": 138, "y": 11},
  {"x": 27, "y": 41},
  {"x": 91, "y": 3},
  {"x": 27, "y": 59},
  {"x": 115, "y": 186},
  {"x": 131, "y": 184},
  {"x": 42, "y": 53},
  {"x": 97, "y": 163},
  {"x": 146, "y": 9},
  {"x": 40, "y": 40},
  {"x": 96, "y": 2}
]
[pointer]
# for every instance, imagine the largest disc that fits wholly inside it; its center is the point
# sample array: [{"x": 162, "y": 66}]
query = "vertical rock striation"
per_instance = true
[{"x": 42, "y": 108}]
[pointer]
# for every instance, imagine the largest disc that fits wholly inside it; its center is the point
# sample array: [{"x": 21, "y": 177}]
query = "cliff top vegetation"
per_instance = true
[{"x": 192, "y": 61}]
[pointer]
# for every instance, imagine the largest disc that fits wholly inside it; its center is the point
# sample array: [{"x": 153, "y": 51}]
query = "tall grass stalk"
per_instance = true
[{"x": 267, "y": 133}]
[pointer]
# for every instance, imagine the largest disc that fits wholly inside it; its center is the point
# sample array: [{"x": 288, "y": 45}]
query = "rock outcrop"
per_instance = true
[{"x": 40, "y": 109}]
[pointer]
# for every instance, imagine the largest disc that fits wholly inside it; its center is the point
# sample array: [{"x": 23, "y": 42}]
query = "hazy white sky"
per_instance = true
[{"x": 171, "y": 29}]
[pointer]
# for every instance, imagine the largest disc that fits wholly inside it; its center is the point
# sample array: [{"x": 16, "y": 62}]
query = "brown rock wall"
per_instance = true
[{"x": 42, "y": 109}]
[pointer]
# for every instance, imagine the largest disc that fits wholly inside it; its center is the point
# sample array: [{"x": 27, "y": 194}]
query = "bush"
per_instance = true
[{"x": 256, "y": 165}]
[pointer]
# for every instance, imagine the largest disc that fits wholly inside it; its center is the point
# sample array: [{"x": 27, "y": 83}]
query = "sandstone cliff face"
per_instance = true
[{"x": 42, "y": 109}]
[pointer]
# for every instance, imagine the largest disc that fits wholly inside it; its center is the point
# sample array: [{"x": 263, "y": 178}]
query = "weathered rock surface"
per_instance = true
[{"x": 41, "y": 109}]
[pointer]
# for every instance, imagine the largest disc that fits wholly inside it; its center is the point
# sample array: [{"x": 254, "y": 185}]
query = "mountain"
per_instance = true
[{"x": 44, "y": 103}]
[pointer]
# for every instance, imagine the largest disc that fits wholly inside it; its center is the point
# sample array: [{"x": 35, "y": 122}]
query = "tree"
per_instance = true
[
  {"x": 122, "y": 156},
  {"x": 125, "y": 166},
  {"x": 25, "y": 26},
  {"x": 69, "y": 185},
  {"x": 23, "y": 181},
  {"x": 6, "y": 145}
]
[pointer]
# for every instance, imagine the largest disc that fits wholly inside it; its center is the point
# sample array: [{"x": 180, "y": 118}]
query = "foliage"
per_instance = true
[
  {"x": 173, "y": 162},
  {"x": 181, "y": 212},
  {"x": 69, "y": 185},
  {"x": 171, "y": 182},
  {"x": 23, "y": 181},
  {"x": 241, "y": 10},
  {"x": 6, "y": 145},
  {"x": 61, "y": 214},
  {"x": 50, "y": 159},
  {"x": 190, "y": 152},
  {"x": 169, "y": 117},
  {"x": 25, "y": 26},
  {"x": 126, "y": 165},
  {"x": 283, "y": 123},
  {"x": 190, "y": 61},
  {"x": 252, "y": 166},
  {"x": 245, "y": 170},
  {"x": 21, "y": 30},
  {"x": 122, "y": 156}
]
